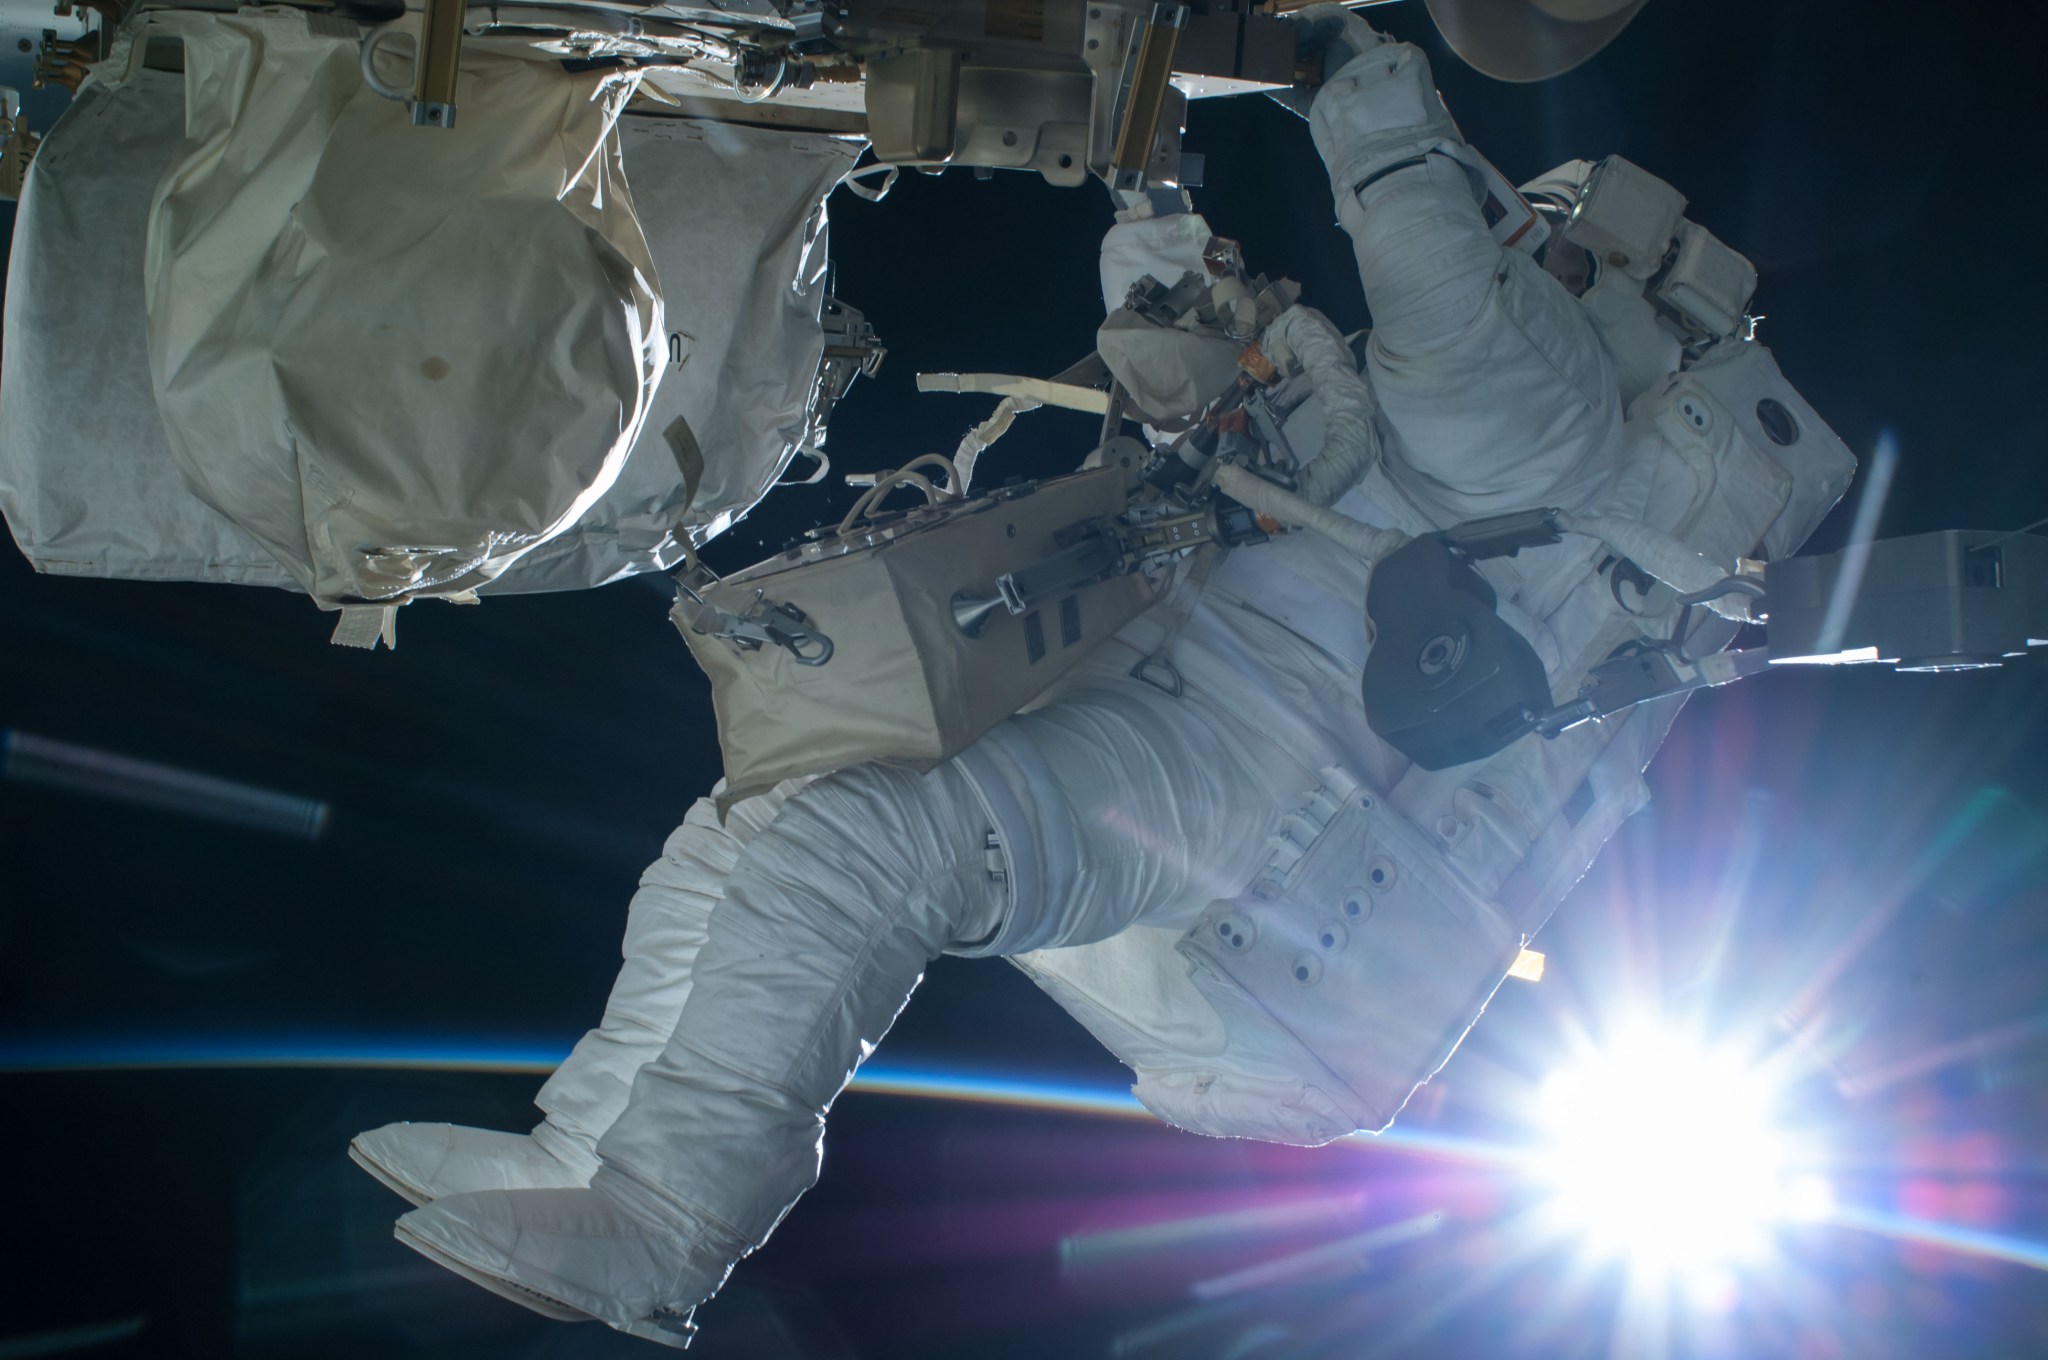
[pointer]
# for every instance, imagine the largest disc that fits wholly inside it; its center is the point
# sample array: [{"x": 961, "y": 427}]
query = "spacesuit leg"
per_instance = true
[
  {"x": 828, "y": 921},
  {"x": 666, "y": 926},
  {"x": 1490, "y": 375}
]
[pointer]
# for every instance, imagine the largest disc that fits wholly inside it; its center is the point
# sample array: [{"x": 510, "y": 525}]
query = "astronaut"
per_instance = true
[{"x": 767, "y": 954}]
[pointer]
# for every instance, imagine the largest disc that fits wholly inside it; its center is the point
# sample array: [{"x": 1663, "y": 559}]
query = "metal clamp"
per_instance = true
[{"x": 765, "y": 622}]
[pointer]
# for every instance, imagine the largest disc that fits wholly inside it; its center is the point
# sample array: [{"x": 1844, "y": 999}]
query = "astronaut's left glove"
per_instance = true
[{"x": 1326, "y": 39}]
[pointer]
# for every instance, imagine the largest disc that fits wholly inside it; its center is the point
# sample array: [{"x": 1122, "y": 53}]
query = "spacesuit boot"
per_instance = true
[
  {"x": 826, "y": 926},
  {"x": 666, "y": 925},
  {"x": 425, "y": 1162}
]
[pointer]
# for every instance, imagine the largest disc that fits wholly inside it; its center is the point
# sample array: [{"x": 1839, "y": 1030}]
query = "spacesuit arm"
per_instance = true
[
  {"x": 1363, "y": 540},
  {"x": 1378, "y": 108},
  {"x": 1376, "y": 125},
  {"x": 1493, "y": 383},
  {"x": 1351, "y": 445}
]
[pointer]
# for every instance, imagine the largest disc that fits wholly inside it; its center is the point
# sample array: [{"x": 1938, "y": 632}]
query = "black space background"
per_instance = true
[{"x": 500, "y": 780}]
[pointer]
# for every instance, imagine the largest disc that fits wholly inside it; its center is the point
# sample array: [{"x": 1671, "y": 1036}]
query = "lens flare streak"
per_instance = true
[
  {"x": 1345, "y": 1253},
  {"x": 1092, "y": 1248},
  {"x": 1991, "y": 1246},
  {"x": 26, "y": 758}
]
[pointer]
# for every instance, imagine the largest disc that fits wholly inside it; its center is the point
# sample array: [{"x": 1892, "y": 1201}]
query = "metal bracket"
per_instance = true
[
  {"x": 1092, "y": 552},
  {"x": 1266, "y": 424},
  {"x": 1506, "y": 535},
  {"x": 764, "y": 622},
  {"x": 1639, "y": 676},
  {"x": 1142, "y": 95},
  {"x": 439, "y": 60}
]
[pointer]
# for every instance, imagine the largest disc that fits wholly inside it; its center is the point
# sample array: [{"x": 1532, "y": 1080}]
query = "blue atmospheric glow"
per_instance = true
[
  {"x": 541, "y": 1056},
  {"x": 535, "y": 1056},
  {"x": 200, "y": 1051},
  {"x": 538, "y": 1057}
]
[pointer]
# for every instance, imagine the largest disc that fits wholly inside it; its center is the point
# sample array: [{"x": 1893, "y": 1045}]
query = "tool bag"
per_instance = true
[{"x": 889, "y": 641}]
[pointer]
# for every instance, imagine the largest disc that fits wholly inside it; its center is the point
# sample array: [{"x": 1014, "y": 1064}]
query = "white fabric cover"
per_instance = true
[
  {"x": 87, "y": 480},
  {"x": 1163, "y": 248},
  {"x": 399, "y": 357},
  {"x": 734, "y": 219},
  {"x": 1169, "y": 373}
]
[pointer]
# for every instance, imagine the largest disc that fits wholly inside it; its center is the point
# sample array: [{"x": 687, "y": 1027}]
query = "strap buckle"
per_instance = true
[{"x": 765, "y": 622}]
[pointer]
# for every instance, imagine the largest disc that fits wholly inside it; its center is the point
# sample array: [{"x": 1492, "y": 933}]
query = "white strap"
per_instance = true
[
  {"x": 1190, "y": 580},
  {"x": 365, "y": 625},
  {"x": 1067, "y": 396},
  {"x": 889, "y": 173},
  {"x": 976, "y": 440}
]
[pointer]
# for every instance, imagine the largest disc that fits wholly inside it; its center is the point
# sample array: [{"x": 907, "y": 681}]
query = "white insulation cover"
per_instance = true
[
  {"x": 399, "y": 357},
  {"x": 734, "y": 218},
  {"x": 87, "y": 480}
]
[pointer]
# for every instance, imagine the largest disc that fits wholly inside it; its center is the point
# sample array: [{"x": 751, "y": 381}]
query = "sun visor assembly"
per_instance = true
[{"x": 1625, "y": 217}]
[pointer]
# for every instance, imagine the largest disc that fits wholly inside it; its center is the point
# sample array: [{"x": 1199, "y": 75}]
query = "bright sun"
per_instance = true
[{"x": 1665, "y": 1153}]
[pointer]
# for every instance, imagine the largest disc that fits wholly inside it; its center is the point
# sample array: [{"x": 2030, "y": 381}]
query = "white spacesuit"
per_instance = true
[{"x": 765, "y": 957}]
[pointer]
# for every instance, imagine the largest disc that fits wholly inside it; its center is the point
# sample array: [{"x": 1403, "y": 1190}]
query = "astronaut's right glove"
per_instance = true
[{"x": 1326, "y": 39}]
